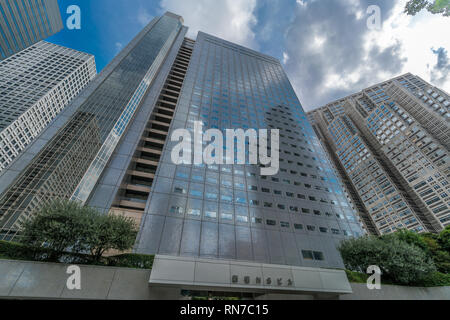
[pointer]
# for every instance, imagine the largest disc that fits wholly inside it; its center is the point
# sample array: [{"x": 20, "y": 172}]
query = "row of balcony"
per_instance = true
[{"x": 136, "y": 186}]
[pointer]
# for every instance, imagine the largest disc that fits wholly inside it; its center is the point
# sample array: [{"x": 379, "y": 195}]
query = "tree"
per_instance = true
[
  {"x": 398, "y": 260},
  {"x": 412, "y": 238},
  {"x": 68, "y": 226},
  {"x": 59, "y": 226},
  {"x": 444, "y": 239},
  {"x": 436, "y": 7},
  {"x": 431, "y": 244},
  {"x": 111, "y": 232}
]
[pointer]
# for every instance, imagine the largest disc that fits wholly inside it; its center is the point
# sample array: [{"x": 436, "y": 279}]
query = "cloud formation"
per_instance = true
[
  {"x": 326, "y": 46},
  {"x": 333, "y": 52},
  {"x": 231, "y": 20},
  {"x": 144, "y": 17},
  {"x": 119, "y": 46},
  {"x": 441, "y": 71}
]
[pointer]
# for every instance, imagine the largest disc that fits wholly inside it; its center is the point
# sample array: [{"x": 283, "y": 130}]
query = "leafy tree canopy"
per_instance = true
[
  {"x": 444, "y": 239},
  {"x": 65, "y": 225},
  {"x": 405, "y": 257},
  {"x": 436, "y": 7},
  {"x": 399, "y": 261}
]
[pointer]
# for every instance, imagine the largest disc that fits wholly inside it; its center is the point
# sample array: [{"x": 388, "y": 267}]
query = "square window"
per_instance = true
[
  {"x": 176, "y": 210},
  {"x": 257, "y": 220},
  {"x": 268, "y": 204},
  {"x": 298, "y": 226},
  {"x": 318, "y": 256},
  {"x": 243, "y": 219},
  {"x": 307, "y": 255},
  {"x": 284, "y": 224}
]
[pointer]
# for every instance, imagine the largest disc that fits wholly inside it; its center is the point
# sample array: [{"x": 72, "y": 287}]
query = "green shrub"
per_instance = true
[
  {"x": 60, "y": 225},
  {"x": 400, "y": 262},
  {"x": 18, "y": 251},
  {"x": 110, "y": 232},
  {"x": 410, "y": 237},
  {"x": 435, "y": 279},
  {"x": 68, "y": 226},
  {"x": 444, "y": 239},
  {"x": 130, "y": 260},
  {"x": 356, "y": 277}
]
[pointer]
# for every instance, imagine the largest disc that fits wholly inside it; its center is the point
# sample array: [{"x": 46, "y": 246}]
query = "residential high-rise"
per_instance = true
[
  {"x": 111, "y": 149},
  {"x": 36, "y": 84},
  {"x": 26, "y": 22},
  {"x": 392, "y": 142}
]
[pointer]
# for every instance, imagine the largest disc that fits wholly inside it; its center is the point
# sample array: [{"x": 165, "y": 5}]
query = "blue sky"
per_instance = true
[{"x": 326, "y": 47}]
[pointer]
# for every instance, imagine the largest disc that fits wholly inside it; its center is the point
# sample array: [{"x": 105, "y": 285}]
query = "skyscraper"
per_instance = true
[
  {"x": 25, "y": 22},
  {"x": 232, "y": 212},
  {"x": 392, "y": 142},
  {"x": 111, "y": 149},
  {"x": 36, "y": 84},
  {"x": 109, "y": 102}
]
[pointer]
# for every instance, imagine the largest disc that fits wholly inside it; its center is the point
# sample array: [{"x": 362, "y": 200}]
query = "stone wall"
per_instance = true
[
  {"x": 22, "y": 279},
  {"x": 36, "y": 280},
  {"x": 388, "y": 292}
]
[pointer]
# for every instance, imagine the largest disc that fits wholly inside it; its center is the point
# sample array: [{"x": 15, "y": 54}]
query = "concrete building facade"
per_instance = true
[
  {"x": 26, "y": 22},
  {"x": 48, "y": 281},
  {"x": 36, "y": 84}
]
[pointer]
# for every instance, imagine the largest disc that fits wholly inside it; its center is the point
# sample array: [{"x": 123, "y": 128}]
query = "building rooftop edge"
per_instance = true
[
  {"x": 240, "y": 46},
  {"x": 360, "y": 91}
]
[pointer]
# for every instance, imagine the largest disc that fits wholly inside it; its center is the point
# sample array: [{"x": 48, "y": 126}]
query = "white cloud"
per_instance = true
[
  {"x": 231, "y": 20},
  {"x": 332, "y": 52},
  {"x": 328, "y": 49},
  {"x": 118, "y": 46},
  {"x": 285, "y": 57},
  {"x": 440, "y": 72},
  {"x": 419, "y": 35},
  {"x": 144, "y": 17}
]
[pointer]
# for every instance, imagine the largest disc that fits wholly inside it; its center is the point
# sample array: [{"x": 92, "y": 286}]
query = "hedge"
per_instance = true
[
  {"x": 435, "y": 279},
  {"x": 131, "y": 260},
  {"x": 17, "y": 251},
  {"x": 356, "y": 277}
]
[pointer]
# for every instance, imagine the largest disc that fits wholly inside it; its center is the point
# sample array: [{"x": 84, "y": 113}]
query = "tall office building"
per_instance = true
[
  {"x": 26, "y": 22},
  {"x": 392, "y": 142},
  {"x": 111, "y": 149},
  {"x": 36, "y": 84}
]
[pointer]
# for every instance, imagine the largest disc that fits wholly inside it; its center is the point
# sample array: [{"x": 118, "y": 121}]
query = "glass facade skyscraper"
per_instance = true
[
  {"x": 163, "y": 82},
  {"x": 109, "y": 106},
  {"x": 231, "y": 212},
  {"x": 26, "y": 22}
]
